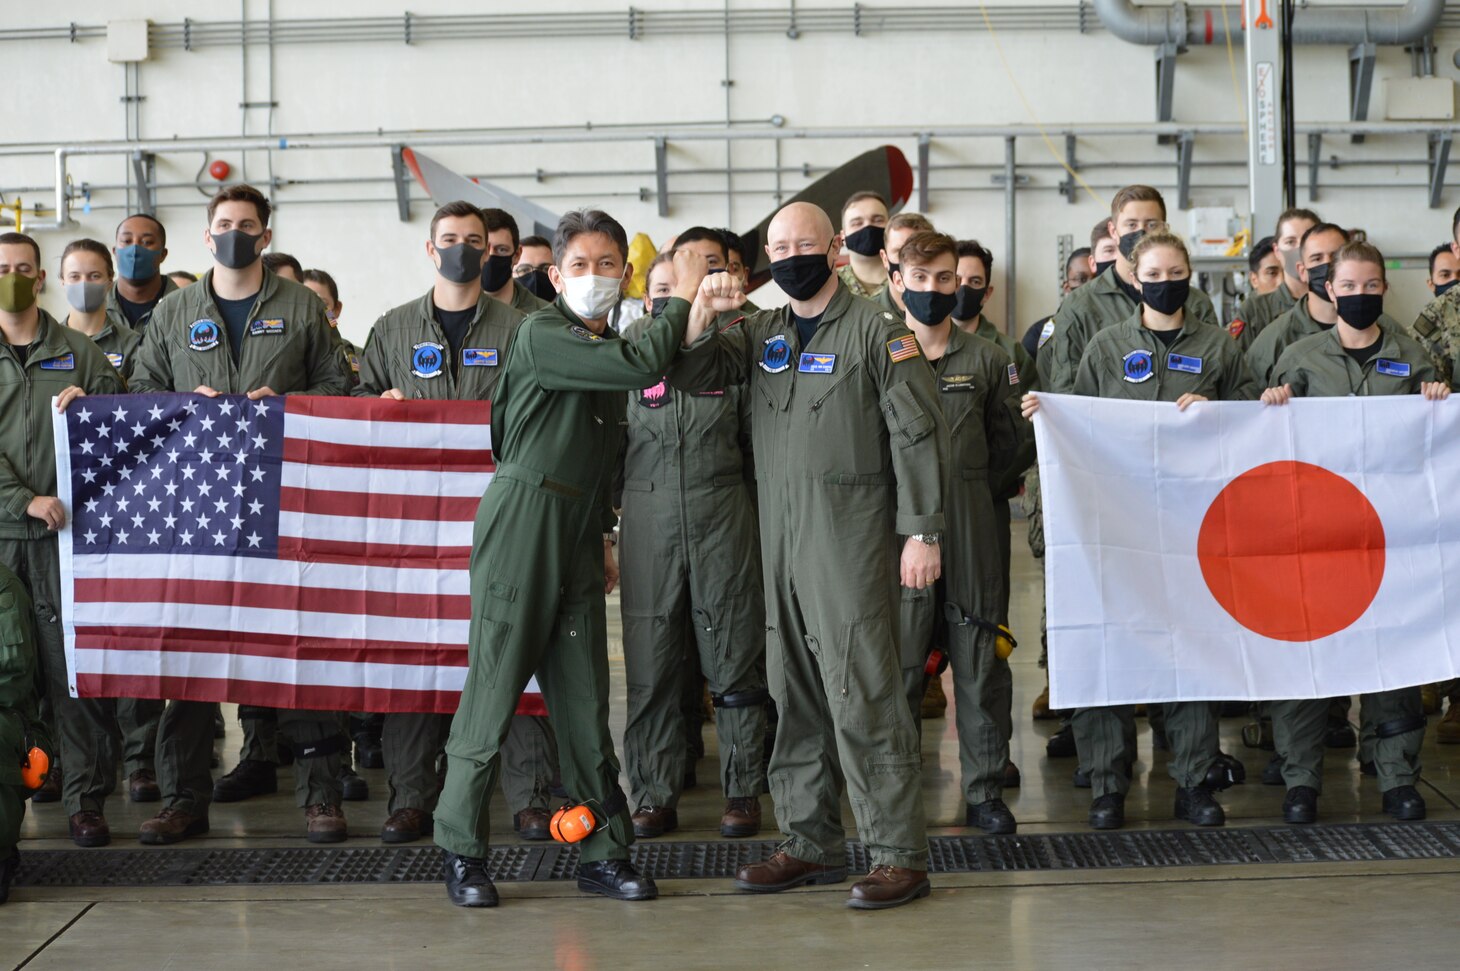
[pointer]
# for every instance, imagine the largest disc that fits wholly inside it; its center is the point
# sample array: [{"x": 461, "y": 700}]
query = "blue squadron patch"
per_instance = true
[
  {"x": 273, "y": 325},
  {"x": 1138, "y": 367},
  {"x": 203, "y": 335},
  {"x": 777, "y": 354},
  {"x": 817, "y": 363},
  {"x": 1394, "y": 369},
  {"x": 478, "y": 357},
  {"x": 427, "y": 359},
  {"x": 1180, "y": 362},
  {"x": 66, "y": 362},
  {"x": 1045, "y": 333},
  {"x": 116, "y": 359},
  {"x": 583, "y": 333}
]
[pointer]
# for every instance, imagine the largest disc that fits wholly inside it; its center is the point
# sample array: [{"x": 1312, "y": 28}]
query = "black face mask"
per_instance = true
[
  {"x": 539, "y": 284},
  {"x": 1129, "y": 240},
  {"x": 968, "y": 302},
  {"x": 801, "y": 276},
  {"x": 1360, "y": 310},
  {"x": 866, "y": 241},
  {"x": 236, "y": 249},
  {"x": 496, "y": 273},
  {"x": 657, "y": 305},
  {"x": 461, "y": 263},
  {"x": 1167, "y": 296},
  {"x": 1443, "y": 288},
  {"x": 893, "y": 268},
  {"x": 1317, "y": 277},
  {"x": 1103, "y": 265},
  {"x": 928, "y": 307}
]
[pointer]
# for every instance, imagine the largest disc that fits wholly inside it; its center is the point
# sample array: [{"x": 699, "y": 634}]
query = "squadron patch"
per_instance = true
[
  {"x": 1236, "y": 327},
  {"x": 583, "y": 333},
  {"x": 1394, "y": 369},
  {"x": 427, "y": 358},
  {"x": 903, "y": 348},
  {"x": 1137, "y": 367},
  {"x": 655, "y": 397},
  {"x": 776, "y": 356},
  {"x": 203, "y": 335}
]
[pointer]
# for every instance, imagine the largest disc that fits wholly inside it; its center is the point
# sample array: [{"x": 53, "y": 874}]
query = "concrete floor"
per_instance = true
[{"x": 1318, "y": 916}]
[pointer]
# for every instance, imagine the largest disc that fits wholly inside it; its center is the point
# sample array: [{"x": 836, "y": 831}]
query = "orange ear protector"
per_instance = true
[
  {"x": 33, "y": 767},
  {"x": 573, "y": 824}
]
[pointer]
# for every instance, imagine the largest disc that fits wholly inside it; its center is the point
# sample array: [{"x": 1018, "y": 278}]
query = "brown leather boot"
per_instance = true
[
  {"x": 325, "y": 824},
  {"x": 142, "y": 786},
  {"x": 652, "y": 821},
  {"x": 935, "y": 702},
  {"x": 783, "y": 871},
  {"x": 889, "y": 886},
  {"x": 172, "y": 825},
  {"x": 407, "y": 826},
  {"x": 742, "y": 816},
  {"x": 89, "y": 828},
  {"x": 1429, "y": 698},
  {"x": 1040, "y": 709},
  {"x": 533, "y": 824}
]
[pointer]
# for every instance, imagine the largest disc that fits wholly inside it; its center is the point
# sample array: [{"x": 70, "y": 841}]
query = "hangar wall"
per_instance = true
[{"x": 337, "y": 209}]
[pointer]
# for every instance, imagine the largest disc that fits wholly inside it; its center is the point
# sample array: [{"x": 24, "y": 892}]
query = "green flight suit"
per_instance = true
[
  {"x": 86, "y": 728},
  {"x": 850, "y": 449},
  {"x": 1318, "y": 367},
  {"x": 1128, "y": 361},
  {"x": 1290, "y": 327},
  {"x": 21, "y": 684},
  {"x": 119, "y": 342},
  {"x": 1084, "y": 313},
  {"x": 412, "y": 740},
  {"x": 1257, "y": 312},
  {"x": 298, "y": 356},
  {"x": 537, "y": 568},
  {"x": 974, "y": 389},
  {"x": 689, "y": 555},
  {"x": 1437, "y": 328},
  {"x": 114, "y": 309}
]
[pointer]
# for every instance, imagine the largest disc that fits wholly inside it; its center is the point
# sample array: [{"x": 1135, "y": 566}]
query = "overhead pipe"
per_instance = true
[{"x": 1196, "y": 26}]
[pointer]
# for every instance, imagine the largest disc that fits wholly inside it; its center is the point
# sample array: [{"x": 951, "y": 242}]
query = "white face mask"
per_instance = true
[{"x": 591, "y": 297}]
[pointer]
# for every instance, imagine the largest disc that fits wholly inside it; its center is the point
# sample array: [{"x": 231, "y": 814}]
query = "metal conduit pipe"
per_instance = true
[{"x": 1194, "y": 26}]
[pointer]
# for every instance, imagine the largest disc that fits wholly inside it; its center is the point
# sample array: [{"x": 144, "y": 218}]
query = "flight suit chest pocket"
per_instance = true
[
  {"x": 774, "y": 390},
  {"x": 844, "y": 435},
  {"x": 906, "y": 417}
]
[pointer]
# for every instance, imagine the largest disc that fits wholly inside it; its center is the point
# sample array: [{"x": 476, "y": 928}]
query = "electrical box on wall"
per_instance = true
[
  {"x": 1419, "y": 99},
  {"x": 126, "y": 41}
]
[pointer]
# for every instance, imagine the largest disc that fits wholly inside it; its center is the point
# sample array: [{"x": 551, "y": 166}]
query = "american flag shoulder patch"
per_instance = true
[
  {"x": 1013, "y": 374},
  {"x": 902, "y": 348}
]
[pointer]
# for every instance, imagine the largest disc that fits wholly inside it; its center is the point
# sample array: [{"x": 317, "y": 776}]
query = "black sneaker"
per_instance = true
[
  {"x": 1227, "y": 771},
  {"x": 1340, "y": 734},
  {"x": 1196, "y": 805},
  {"x": 618, "y": 879},
  {"x": 1272, "y": 773},
  {"x": 468, "y": 883},
  {"x": 369, "y": 752},
  {"x": 992, "y": 816},
  {"x": 1108, "y": 811},
  {"x": 1061, "y": 744},
  {"x": 1300, "y": 805},
  {"x": 1404, "y": 802},
  {"x": 249, "y": 778}
]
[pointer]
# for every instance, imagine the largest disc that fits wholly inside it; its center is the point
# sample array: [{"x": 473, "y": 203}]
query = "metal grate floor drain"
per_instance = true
[{"x": 1357, "y": 842}]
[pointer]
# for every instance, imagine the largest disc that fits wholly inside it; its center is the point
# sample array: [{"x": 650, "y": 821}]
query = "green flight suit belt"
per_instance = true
[{"x": 536, "y": 480}]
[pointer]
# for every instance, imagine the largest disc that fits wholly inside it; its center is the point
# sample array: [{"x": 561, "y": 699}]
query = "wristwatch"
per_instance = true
[{"x": 928, "y": 539}]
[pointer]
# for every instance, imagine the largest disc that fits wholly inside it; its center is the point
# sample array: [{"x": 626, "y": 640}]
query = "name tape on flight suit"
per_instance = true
[
  {"x": 1180, "y": 362},
  {"x": 1395, "y": 369},
  {"x": 817, "y": 363},
  {"x": 272, "y": 325},
  {"x": 66, "y": 362},
  {"x": 478, "y": 357},
  {"x": 955, "y": 382}
]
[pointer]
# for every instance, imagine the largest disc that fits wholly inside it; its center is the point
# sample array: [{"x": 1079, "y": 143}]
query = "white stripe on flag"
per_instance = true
[
  {"x": 391, "y": 482},
  {"x": 267, "y": 620},
  {"x": 289, "y": 573},
  {"x": 391, "y": 434},
  {"x": 357, "y": 529},
  {"x": 252, "y": 667}
]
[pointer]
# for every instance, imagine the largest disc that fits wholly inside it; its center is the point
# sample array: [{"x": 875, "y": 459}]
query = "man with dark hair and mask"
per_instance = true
[
  {"x": 1112, "y": 297},
  {"x": 735, "y": 263},
  {"x": 691, "y": 563},
  {"x": 1444, "y": 270},
  {"x": 851, "y": 450},
  {"x": 1259, "y": 309},
  {"x": 542, "y": 556},
  {"x": 1361, "y": 353},
  {"x": 141, "y": 246},
  {"x": 504, "y": 250},
  {"x": 468, "y": 333},
  {"x": 40, "y": 361},
  {"x": 531, "y": 268},
  {"x": 864, "y": 221},
  {"x": 1313, "y": 312},
  {"x": 900, "y": 227},
  {"x": 242, "y": 330}
]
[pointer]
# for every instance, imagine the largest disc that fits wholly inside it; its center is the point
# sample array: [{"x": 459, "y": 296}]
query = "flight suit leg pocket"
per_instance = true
[
  {"x": 870, "y": 675},
  {"x": 581, "y": 672},
  {"x": 12, "y": 640}
]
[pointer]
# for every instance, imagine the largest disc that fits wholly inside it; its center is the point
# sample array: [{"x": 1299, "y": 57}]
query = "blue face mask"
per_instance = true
[
  {"x": 1443, "y": 288},
  {"x": 137, "y": 262}
]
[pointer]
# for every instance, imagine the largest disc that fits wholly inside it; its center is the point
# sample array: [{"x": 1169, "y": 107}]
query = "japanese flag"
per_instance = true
[{"x": 1239, "y": 551}]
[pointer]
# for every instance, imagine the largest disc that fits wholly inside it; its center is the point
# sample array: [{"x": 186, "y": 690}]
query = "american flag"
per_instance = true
[{"x": 294, "y": 552}]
